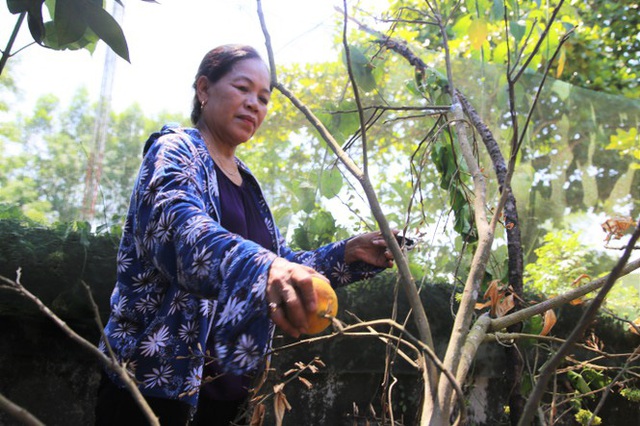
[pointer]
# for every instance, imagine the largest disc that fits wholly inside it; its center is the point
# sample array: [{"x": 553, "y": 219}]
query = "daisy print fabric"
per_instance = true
[{"x": 183, "y": 279}]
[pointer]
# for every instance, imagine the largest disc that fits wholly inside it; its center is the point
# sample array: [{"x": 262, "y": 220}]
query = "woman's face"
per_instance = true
[{"x": 237, "y": 103}]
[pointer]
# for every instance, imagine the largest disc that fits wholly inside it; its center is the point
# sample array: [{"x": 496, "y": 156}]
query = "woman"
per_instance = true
[{"x": 203, "y": 271}]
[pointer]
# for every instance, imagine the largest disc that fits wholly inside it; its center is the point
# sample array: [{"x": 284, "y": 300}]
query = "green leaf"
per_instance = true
[
  {"x": 306, "y": 196},
  {"x": 19, "y": 6},
  {"x": 323, "y": 225},
  {"x": 69, "y": 21},
  {"x": 362, "y": 69},
  {"x": 533, "y": 325},
  {"x": 578, "y": 382},
  {"x": 107, "y": 28},
  {"x": 497, "y": 11},
  {"x": 87, "y": 41},
  {"x": 346, "y": 123},
  {"x": 517, "y": 31},
  {"x": 33, "y": 8},
  {"x": 478, "y": 33},
  {"x": 331, "y": 183}
]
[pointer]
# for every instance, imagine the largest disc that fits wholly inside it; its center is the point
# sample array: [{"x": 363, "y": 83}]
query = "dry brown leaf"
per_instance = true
[
  {"x": 576, "y": 282},
  {"x": 505, "y": 305},
  {"x": 493, "y": 294},
  {"x": 305, "y": 382},
  {"x": 257, "y": 418},
  {"x": 635, "y": 329},
  {"x": 278, "y": 387},
  {"x": 578, "y": 301},
  {"x": 616, "y": 226},
  {"x": 549, "y": 321},
  {"x": 280, "y": 406},
  {"x": 594, "y": 342},
  {"x": 291, "y": 371},
  {"x": 479, "y": 305}
]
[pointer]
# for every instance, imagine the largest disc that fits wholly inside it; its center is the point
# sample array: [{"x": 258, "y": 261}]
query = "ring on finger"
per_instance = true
[{"x": 273, "y": 307}]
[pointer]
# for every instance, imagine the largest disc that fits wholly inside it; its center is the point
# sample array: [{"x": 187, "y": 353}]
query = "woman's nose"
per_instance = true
[{"x": 251, "y": 101}]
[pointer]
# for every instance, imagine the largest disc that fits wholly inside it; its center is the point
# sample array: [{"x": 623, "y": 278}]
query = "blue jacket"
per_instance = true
[{"x": 182, "y": 277}]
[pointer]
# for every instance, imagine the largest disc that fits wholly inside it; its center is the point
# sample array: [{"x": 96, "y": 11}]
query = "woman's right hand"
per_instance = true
[{"x": 290, "y": 295}]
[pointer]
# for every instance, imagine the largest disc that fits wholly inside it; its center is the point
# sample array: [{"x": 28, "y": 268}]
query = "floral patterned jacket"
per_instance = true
[{"x": 182, "y": 277}]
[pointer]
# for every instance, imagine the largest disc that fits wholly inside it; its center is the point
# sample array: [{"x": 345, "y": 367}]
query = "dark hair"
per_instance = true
[{"x": 216, "y": 64}]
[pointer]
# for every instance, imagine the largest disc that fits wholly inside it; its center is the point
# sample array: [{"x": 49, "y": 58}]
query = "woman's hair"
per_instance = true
[{"x": 216, "y": 64}]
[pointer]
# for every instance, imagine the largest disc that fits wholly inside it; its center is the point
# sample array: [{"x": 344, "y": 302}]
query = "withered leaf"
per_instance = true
[
  {"x": 280, "y": 406},
  {"x": 505, "y": 305},
  {"x": 305, "y": 382},
  {"x": 549, "y": 321},
  {"x": 257, "y": 418}
]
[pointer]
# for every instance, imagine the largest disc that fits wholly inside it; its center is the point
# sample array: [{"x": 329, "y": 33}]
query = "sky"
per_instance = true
[{"x": 166, "y": 43}]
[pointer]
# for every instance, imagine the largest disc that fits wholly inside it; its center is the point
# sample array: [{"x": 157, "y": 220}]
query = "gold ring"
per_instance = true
[{"x": 273, "y": 307}]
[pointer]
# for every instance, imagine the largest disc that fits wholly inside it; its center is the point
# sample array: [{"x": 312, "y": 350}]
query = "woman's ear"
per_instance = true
[{"x": 202, "y": 86}]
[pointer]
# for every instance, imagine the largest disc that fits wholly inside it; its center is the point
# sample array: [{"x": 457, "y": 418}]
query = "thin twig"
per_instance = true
[
  {"x": 18, "y": 412},
  {"x": 110, "y": 363},
  {"x": 587, "y": 317}
]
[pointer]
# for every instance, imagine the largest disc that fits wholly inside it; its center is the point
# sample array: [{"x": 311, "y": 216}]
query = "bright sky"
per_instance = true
[{"x": 166, "y": 43}]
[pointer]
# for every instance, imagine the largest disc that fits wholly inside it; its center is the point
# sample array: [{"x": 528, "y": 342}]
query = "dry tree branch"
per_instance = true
[
  {"x": 556, "y": 302},
  {"x": 578, "y": 331},
  {"x": 407, "y": 339},
  {"x": 18, "y": 413},
  {"x": 356, "y": 92},
  {"x": 462, "y": 322},
  {"x": 110, "y": 363},
  {"x": 542, "y": 38},
  {"x": 407, "y": 280},
  {"x": 615, "y": 380},
  {"x": 519, "y": 143},
  {"x": 508, "y": 338}
]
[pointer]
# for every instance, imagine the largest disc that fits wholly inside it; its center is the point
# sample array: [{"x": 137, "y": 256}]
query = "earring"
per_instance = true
[{"x": 203, "y": 103}]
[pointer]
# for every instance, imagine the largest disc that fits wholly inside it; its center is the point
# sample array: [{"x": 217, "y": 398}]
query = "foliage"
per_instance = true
[
  {"x": 46, "y": 171},
  {"x": 601, "y": 54},
  {"x": 627, "y": 143},
  {"x": 74, "y": 24},
  {"x": 563, "y": 262},
  {"x": 631, "y": 394},
  {"x": 583, "y": 417}
]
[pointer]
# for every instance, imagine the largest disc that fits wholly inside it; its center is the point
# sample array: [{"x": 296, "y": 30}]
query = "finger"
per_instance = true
[
  {"x": 294, "y": 308},
  {"x": 279, "y": 318},
  {"x": 304, "y": 287}
]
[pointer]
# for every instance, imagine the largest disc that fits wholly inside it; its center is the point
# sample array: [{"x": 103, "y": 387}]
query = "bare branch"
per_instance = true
[
  {"x": 106, "y": 361},
  {"x": 542, "y": 38},
  {"x": 587, "y": 317},
  {"x": 555, "y": 302},
  {"x": 6, "y": 54},
  {"x": 19, "y": 413},
  {"x": 408, "y": 340},
  {"x": 356, "y": 93}
]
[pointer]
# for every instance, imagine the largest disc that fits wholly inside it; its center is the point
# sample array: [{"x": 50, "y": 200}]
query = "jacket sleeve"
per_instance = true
[
  {"x": 177, "y": 230},
  {"x": 329, "y": 261}
]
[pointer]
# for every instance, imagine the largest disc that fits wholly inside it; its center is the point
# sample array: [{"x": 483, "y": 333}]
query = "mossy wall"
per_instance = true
[{"x": 55, "y": 378}]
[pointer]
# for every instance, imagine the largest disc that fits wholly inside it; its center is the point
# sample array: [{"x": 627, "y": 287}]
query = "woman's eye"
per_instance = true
[
  {"x": 264, "y": 100},
  {"x": 243, "y": 89}
]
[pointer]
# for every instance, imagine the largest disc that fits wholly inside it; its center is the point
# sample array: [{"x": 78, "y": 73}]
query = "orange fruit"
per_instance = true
[{"x": 326, "y": 306}]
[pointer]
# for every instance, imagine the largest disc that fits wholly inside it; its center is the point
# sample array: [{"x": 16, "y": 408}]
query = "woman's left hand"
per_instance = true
[{"x": 370, "y": 248}]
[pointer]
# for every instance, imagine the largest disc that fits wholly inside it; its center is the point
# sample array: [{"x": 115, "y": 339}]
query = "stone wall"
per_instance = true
[{"x": 55, "y": 378}]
